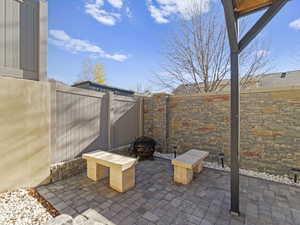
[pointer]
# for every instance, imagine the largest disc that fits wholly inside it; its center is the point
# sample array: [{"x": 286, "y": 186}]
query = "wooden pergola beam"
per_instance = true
[{"x": 245, "y": 6}]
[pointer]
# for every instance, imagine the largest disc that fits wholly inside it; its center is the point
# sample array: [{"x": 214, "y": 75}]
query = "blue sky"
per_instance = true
[{"x": 128, "y": 37}]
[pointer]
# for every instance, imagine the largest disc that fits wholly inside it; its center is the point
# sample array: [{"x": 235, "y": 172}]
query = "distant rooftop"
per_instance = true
[
  {"x": 282, "y": 79},
  {"x": 103, "y": 88},
  {"x": 272, "y": 80}
]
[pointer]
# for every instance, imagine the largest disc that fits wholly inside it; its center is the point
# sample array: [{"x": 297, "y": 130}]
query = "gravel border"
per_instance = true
[
  {"x": 18, "y": 207},
  {"x": 250, "y": 173}
]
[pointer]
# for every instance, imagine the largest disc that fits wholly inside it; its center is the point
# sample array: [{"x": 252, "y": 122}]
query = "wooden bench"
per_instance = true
[
  {"x": 121, "y": 169},
  {"x": 186, "y": 164}
]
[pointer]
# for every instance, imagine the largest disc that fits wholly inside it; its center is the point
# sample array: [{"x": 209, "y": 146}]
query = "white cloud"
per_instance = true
[
  {"x": 62, "y": 39},
  {"x": 116, "y": 3},
  {"x": 295, "y": 24},
  {"x": 162, "y": 10},
  {"x": 98, "y": 13},
  {"x": 129, "y": 12},
  {"x": 60, "y": 35},
  {"x": 158, "y": 14}
]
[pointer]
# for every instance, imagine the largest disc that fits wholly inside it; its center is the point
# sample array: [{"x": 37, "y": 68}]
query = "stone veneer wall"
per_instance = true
[
  {"x": 63, "y": 170},
  {"x": 155, "y": 119},
  {"x": 66, "y": 169},
  {"x": 270, "y": 126}
]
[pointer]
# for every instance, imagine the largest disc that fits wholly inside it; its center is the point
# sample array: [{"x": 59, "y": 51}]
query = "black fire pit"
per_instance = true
[{"x": 143, "y": 148}]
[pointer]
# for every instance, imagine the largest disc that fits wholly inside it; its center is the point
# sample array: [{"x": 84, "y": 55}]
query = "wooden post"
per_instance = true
[
  {"x": 232, "y": 29},
  {"x": 42, "y": 40},
  {"x": 235, "y": 133}
]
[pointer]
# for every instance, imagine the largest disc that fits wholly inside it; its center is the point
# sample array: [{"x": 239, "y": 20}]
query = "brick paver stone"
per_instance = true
[{"x": 157, "y": 200}]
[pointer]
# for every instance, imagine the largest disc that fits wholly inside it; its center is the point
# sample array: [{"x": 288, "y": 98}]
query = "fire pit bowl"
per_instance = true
[{"x": 143, "y": 148}]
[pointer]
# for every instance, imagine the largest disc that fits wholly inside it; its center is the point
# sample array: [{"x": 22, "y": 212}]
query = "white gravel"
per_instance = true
[
  {"x": 250, "y": 173},
  {"x": 19, "y": 208}
]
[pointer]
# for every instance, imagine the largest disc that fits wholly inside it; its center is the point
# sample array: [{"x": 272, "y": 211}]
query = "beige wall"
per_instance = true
[
  {"x": 44, "y": 123},
  {"x": 24, "y": 133}
]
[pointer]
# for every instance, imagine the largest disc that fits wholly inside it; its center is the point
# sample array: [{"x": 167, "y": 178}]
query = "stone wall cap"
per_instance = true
[
  {"x": 257, "y": 90},
  {"x": 161, "y": 94}
]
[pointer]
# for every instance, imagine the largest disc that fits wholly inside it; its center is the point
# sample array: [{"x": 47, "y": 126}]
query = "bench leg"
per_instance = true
[
  {"x": 122, "y": 181},
  {"x": 182, "y": 175},
  {"x": 198, "y": 168},
  {"x": 95, "y": 171}
]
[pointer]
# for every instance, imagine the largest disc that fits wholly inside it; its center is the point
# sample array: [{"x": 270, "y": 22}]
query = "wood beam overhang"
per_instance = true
[{"x": 248, "y": 6}]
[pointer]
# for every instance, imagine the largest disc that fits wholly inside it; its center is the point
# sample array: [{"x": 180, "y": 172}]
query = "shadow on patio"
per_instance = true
[{"x": 157, "y": 200}]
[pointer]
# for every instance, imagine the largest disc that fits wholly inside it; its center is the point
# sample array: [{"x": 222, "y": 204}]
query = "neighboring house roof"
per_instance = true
[
  {"x": 273, "y": 80},
  {"x": 57, "y": 81},
  {"x": 103, "y": 88},
  {"x": 284, "y": 79}
]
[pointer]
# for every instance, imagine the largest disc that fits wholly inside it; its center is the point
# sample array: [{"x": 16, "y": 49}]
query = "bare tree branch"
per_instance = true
[{"x": 198, "y": 56}]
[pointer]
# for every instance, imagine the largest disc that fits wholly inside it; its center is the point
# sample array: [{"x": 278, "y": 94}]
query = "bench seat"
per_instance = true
[
  {"x": 121, "y": 169},
  {"x": 186, "y": 164}
]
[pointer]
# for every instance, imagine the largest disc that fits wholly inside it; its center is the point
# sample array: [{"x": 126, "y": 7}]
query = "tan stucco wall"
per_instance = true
[{"x": 24, "y": 133}]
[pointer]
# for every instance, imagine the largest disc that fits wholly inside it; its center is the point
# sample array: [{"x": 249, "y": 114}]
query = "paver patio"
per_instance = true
[{"x": 157, "y": 200}]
